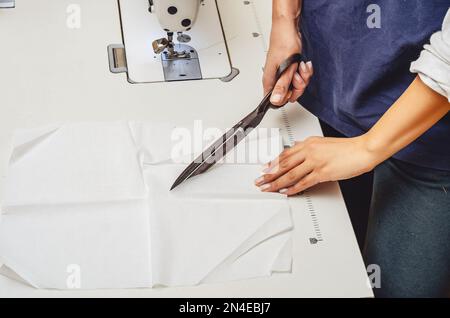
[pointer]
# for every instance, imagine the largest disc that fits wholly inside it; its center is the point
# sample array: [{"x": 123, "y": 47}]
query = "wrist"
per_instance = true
[
  {"x": 372, "y": 151},
  {"x": 288, "y": 23},
  {"x": 285, "y": 34}
]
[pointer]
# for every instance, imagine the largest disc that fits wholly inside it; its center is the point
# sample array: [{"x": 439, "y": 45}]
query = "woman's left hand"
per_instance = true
[{"x": 316, "y": 160}]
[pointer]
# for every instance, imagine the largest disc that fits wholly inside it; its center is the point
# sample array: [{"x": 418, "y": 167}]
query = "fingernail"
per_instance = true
[
  {"x": 303, "y": 67},
  {"x": 298, "y": 77},
  {"x": 264, "y": 187},
  {"x": 276, "y": 98},
  {"x": 283, "y": 191},
  {"x": 266, "y": 168},
  {"x": 259, "y": 181},
  {"x": 310, "y": 65},
  {"x": 269, "y": 170}
]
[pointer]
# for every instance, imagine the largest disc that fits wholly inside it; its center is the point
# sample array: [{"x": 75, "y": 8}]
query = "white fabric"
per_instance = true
[
  {"x": 76, "y": 163},
  {"x": 75, "y": 195},
  {"x": 210, "y": 223},
  {"x": 96, "y": 196},
  {"x": 433, "y": 65}
]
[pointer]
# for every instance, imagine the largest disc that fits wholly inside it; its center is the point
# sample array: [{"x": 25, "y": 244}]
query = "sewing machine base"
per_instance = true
[{"x": 181, "y": 69}]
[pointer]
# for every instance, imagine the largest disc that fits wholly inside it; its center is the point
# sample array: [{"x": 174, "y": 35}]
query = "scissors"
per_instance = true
[{"x": 232, "y": 137}]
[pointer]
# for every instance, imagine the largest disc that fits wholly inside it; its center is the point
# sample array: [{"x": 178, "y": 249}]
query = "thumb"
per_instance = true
[
  {"x": 269, "y": 79},
  {"x": 281, "y": 91}
]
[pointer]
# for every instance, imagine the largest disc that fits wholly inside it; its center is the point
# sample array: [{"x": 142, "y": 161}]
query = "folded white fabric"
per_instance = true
[
  {"x": 75, "y": 198},
  {"x": 88, "y": 206}
]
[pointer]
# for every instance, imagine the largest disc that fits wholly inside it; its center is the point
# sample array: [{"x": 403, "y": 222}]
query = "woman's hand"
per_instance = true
[
  {"x": 316, "y": 160},
  {"x": 284, "y": 42}
]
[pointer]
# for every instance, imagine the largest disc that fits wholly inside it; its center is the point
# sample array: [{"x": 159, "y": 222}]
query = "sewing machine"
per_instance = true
[
  {"x": 177, "y": 40},
  {"x": 67, "y": 79}
]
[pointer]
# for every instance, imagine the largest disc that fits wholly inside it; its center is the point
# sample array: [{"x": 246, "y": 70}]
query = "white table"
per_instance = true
[{"x": 52, "y": 73}]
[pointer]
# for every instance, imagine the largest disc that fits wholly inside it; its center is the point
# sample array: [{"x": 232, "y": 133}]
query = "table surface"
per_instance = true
[{"x": 52, "y": 73}]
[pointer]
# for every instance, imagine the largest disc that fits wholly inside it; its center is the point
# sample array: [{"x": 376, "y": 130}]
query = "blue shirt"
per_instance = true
[{"x": 360, "y": 70}]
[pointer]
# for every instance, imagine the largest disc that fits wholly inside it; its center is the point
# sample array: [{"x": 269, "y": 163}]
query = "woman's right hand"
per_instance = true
[{"x": 285, "y": 41}]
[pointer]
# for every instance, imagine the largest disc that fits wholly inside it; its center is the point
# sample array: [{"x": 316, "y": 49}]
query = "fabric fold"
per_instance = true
[{"x": 88, "y": 206}]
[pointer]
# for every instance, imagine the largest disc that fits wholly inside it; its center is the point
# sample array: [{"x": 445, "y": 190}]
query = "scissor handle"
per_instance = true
[
  {"x": 254, "y": 118},
  {"x": 294, "y": 58}
]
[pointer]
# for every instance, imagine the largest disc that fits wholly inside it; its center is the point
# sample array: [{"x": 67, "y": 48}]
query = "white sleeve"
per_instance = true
[{"x": 433, "y": 65}]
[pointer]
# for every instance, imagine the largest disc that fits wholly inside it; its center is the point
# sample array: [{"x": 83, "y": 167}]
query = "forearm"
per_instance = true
[
  {"x": 286, "y": 10},
  {"x": 285, "y": 40},
  {"x": 285, "y": 18},
  {"x": 416, "y": 111}
]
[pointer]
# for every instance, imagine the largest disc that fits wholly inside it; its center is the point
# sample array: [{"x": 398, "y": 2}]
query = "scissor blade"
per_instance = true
[
  {"x": 213, "y": 154},
  {"x": 228, "y": 141}
]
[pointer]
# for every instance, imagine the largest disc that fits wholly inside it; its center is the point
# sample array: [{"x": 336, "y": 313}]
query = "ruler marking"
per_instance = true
[{"x": 314, "y": 219}]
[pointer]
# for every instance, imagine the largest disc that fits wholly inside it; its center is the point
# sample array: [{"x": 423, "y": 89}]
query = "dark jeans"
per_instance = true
[{"x": 408, "y": 232}]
